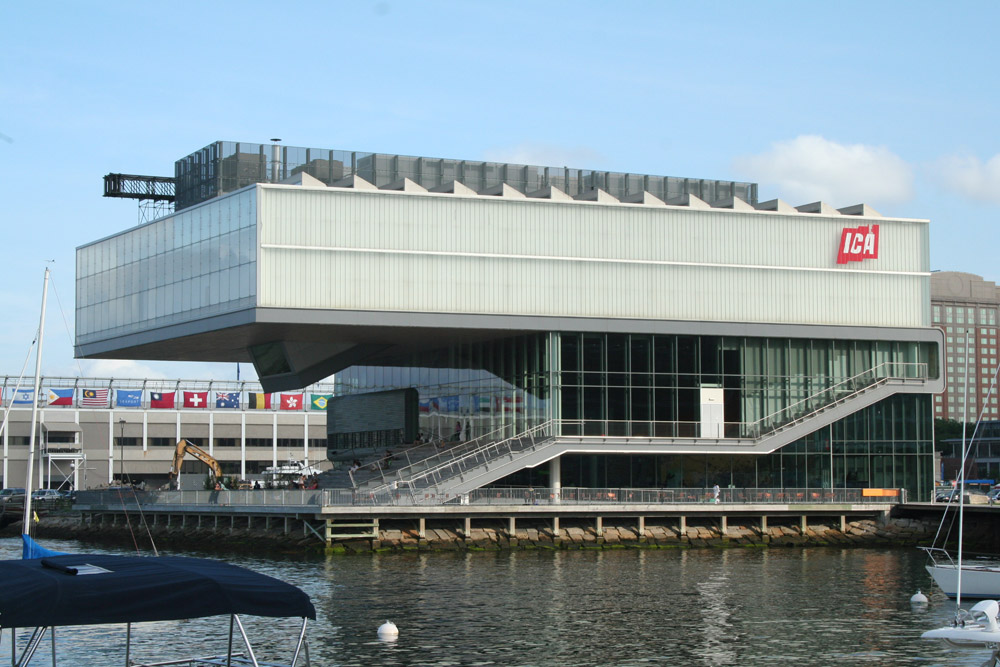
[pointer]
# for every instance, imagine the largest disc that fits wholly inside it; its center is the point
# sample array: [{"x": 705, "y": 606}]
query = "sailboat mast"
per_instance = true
[
  {"x": 961, "y": 478},
  {"x": 26, "y": 522}
]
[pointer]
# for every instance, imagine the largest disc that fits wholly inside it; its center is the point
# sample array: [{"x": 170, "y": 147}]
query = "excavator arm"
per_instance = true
[{"x": 183, "y": 448}]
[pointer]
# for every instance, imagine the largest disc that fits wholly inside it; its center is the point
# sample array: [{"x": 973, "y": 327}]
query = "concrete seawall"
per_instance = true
[{"x": 402, "y": 535}]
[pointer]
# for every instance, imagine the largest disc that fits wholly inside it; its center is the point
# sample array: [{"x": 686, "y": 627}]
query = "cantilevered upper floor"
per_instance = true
[{"x": 308, "y": 277}]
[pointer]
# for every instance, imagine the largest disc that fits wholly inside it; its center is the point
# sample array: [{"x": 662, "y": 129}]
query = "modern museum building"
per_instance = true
[{"x": 657, "y": 331}]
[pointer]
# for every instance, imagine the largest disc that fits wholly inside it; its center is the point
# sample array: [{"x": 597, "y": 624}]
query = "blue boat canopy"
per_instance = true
[{"x": 91, "y": 589}]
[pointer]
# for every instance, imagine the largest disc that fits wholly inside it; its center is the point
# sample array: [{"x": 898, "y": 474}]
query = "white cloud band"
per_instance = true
[{"x": 810, "y": 167}]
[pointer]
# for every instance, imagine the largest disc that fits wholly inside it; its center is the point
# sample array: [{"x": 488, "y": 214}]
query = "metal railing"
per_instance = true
[
  {"x": 315, "y": 500},
  {"x": 475, "y": 453},
  {"x": 686, "y": 496},
  {"x": 787, "y": 416},
  {"x": 837, "y": 393},
  {"x": 453, "y": 455},
  {"x": 455, "y": 462}
]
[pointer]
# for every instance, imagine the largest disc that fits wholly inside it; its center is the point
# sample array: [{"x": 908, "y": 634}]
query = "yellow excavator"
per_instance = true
[{"x": 184, "y": 447}]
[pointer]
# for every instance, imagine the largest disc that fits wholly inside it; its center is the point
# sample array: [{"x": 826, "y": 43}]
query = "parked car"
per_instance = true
[
  {"x": 12, "y": 495},
  {"x": 971, "y": 497},
  {"x": 47, "y": 496}
]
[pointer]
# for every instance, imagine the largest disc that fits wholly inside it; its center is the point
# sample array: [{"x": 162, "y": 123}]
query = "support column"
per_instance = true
[
  {"x": 600, "y": 526},
  {"x": 763, "y": 524},
  {"x": 555, "y": 478},
  {"x": 642, "y": 529},
  {"x": 724, "y": 524},
  {"x": 682, "y": 524},
  {"x": 555, "y": 525},
  {"x": 422, "y": 530},
  {"x": 467, "y": 528},
  {"x": 802, "y": 524},
  {"x": 843, "y": 523}
]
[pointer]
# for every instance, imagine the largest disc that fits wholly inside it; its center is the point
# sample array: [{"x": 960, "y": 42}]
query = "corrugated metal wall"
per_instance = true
[{"x": 347, "y": 249}]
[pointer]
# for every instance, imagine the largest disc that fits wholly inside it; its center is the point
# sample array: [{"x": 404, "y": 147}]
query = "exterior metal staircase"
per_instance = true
[{"x": 446, "y": 476}]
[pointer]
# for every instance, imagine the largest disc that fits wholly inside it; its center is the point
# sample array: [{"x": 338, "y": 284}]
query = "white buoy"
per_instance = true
[
  {"x": 918, "y": 599},
  {"x": 388, "y": 630}
]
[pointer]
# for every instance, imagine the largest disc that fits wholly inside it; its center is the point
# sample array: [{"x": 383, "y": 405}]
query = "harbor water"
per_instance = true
[{"x": 811, "y": 606}]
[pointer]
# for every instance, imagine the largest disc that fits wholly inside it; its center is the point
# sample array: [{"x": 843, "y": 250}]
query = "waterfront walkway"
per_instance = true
[{"x": 335, "y": 514}]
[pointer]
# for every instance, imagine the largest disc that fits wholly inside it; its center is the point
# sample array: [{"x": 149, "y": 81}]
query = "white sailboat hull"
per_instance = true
[
  {"x": 978, "y": 581},
  {"x": 974, "y": 636}
]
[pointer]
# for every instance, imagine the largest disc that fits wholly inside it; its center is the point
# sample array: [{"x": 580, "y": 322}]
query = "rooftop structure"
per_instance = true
[{"x": 226, "y": 166}]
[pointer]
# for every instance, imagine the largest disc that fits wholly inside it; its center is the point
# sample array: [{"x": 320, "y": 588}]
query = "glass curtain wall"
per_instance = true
[
  {"x": 653, "y": 386},
  {"x": 888, "y": 445},
  {"x": 499, "y": 387}
]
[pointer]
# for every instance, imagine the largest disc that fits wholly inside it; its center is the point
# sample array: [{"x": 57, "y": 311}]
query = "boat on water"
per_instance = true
[
  {"x": 45, "y": 590},
  {"x": 95, "y": 589},
  {"x": 976, "y": 627},
  {"x": 979, "y": 580}
]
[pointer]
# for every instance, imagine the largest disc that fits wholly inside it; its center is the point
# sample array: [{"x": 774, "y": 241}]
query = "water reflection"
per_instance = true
[{"x": 587, "y": 607}]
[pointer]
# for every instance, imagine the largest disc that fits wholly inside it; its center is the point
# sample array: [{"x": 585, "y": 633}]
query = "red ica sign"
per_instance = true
[{"x": 858, "y": 243}]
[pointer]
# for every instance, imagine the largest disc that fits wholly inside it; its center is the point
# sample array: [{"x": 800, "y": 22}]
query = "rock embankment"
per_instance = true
[{"x": 445, "y": 535}]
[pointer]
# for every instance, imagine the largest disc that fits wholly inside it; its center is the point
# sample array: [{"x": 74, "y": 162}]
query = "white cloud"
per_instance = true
[
  {"x": 546, "y": 155},
  {"x": 970, "y": 177},
  {"x": 810, "y": 168}
]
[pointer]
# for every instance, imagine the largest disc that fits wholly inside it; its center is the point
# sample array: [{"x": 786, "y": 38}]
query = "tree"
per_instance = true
[{"x": 951, "y": 429}]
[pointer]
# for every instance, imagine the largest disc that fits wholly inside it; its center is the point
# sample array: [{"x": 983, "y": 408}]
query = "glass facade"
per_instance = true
[
  {"x": 470, "y": 390},
  {"x": 649, "y": 386},
  {"x": 198, "y": 262},
  {"x": 225, "y": 166},
  {"x": 652, "y": 386},
  {"x": 888, "y": 445}
]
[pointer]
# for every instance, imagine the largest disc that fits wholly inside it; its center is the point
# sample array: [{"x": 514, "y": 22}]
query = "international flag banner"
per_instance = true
[
  {"x": 24, "y": 397},
  {"x": 95, "y": 398},
  {"x": 320, "y": 401},
  {"x": 482, "y": 403},
  {"x": 195, "y": 399},
  {"x": 259, "y": 401},
  {"x": 425, "y": 406},
  {"x": 449, "y": 404},
  {"x": 161, "y": 400},
  {"x": 291, "y": 401},
  {"x": 227, "y": 399},
  {"x": 128, "y": 398},
  {"x": 60, "y": 397}
]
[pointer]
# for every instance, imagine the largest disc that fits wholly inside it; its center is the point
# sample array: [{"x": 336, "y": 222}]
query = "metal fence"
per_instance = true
[{"x": 314, "y": 500}]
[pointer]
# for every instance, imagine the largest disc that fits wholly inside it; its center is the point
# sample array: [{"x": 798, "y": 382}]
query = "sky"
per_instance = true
[{"x": 893, "y": 104}]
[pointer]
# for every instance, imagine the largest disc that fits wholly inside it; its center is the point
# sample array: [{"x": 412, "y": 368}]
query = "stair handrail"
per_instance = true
[
  {"x": 449, "y": 454},
  {"x": 456, "y": 456},
  {"x": 460, "y": 460},
  {"x": 873, "y": 373}
]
